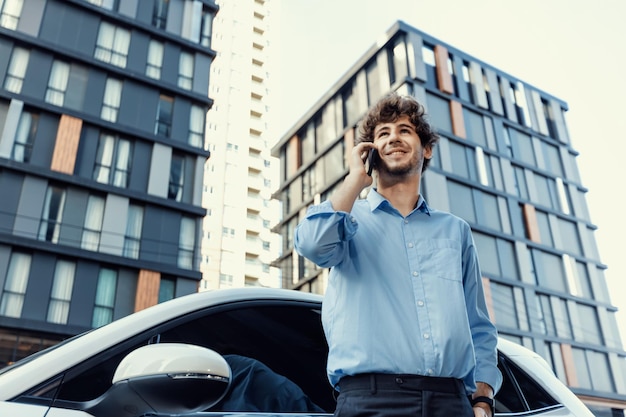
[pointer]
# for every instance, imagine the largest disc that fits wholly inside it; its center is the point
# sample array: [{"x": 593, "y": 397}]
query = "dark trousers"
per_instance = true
[{"x": 378, "y": 395}]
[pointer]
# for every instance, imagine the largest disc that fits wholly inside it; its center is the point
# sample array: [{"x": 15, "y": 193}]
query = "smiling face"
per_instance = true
[{"x": 400, "y": 148}]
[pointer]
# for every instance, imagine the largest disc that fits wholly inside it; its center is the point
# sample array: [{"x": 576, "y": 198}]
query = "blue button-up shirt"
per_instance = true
[{"x": 404, "y": 294}]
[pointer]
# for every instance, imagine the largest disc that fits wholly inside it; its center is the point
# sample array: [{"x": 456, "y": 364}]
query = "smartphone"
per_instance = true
[{"x": 372, "y": 158}]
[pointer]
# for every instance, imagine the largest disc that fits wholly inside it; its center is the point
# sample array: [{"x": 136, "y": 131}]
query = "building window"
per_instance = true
[
  {"x": 57, "y": 83},
  {"x": 111, "y": 101},
  {"x": 159, "y": 13},
  {"x": 186, "y": 242},
  {"x": 185, "y": 70},
  {"x": 52, "y": 216},
  {"x": 105, "y": 298},
  {"x": 113, "y": 161},
  {"x": 92, "y": 228},
  {"x": 226, "y": 280},
  {"x": 164, "y": 116},
  {"x": 167, "y": 288},
  {"x": 132, "y": 237},
  {"x": 15, "y": 285},
  {"x": 155, "y": 59},
  {"x": 112, "y": 44},
  {"x": 17, "y": 70},
  {"x": 59, "y": 307},
  {"x": 398, "y": 63},
  {"x": 106, "y": 4},
  {"x": 548, "y": 326},
  {"x": 196, "y": 126},
  {"x": 177, "y": 174},
  {"x": 10, "y": 12},
  {"x": 25, "y": 137},
  {"x": 505, "y": 312},
  {"x": 206, "y": 28}
]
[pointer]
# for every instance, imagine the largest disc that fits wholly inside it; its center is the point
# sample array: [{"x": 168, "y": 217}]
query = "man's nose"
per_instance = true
[{"x": 393, "y": 136}]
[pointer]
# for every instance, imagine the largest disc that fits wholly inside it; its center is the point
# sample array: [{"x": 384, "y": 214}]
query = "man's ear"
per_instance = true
[{"x": 428, "y": 152}]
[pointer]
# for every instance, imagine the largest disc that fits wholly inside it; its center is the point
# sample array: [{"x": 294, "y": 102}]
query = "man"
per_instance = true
[{"x": 404, "y": 312}]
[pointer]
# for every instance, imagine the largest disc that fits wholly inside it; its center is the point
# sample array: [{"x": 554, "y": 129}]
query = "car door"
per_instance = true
[{"x": 268, "y": 343}]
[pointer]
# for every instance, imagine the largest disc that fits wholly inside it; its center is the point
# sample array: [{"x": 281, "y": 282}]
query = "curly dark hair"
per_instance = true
[{"x": 389, "y": 109}]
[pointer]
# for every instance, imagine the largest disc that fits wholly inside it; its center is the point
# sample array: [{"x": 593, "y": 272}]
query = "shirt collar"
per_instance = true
[{"x": 377, "y": 201}]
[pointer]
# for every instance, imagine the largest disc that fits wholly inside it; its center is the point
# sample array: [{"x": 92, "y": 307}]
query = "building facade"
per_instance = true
[
  {"x": 506, "y": 165},
  {"x": 238, "y": 245},
  {"x": 102, "y": 123}
]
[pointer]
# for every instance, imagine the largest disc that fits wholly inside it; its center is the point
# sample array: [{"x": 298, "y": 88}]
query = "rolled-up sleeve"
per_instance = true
[{"x": 323, "y": 234}]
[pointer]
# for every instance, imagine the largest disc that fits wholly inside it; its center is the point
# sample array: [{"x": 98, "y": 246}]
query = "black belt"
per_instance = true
[{"x": 375, "y": 382}]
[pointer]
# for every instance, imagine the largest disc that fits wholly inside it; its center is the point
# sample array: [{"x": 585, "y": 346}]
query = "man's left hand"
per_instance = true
[{"x": 482, "y": 410}]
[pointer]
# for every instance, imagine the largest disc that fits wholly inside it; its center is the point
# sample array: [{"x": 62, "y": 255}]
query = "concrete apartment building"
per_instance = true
[
  {"x": 506, "y": 165},
  {"x": 102, "y": 127},
  {"x": 238, "y": 245}
]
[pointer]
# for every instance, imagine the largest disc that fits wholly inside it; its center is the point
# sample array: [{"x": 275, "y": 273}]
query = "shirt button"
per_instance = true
[
  {"x": 406, "y": 221},
  {"x": 415, "y": 273},
  {"x": 352, "y": 219},
  {"x": 410, "y": 244},
  {"x": 420, "y": 303},
  {"x": 430, "y": 372},
  {"x": 426, "y": 336}
]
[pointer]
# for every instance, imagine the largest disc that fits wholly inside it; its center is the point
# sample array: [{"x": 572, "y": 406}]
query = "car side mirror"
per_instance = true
[{"x": 168, "y": 378}]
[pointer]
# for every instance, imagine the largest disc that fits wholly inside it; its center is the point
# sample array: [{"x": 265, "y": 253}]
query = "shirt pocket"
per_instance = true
[{"x": 442, "y": 259}]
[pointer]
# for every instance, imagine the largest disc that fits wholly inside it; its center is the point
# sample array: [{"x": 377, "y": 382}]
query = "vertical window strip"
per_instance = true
[
  {"x": 159, "y": 14},
  {"x": 93, "y": 223},
  {"x": 196, "y": 126},
  {"x": 562, "y": 196},
  {"x": 482, "y": 168},
  {"x": 10, "y": 13},
  {"x": 52, "y": 215},
  {"x": 177, "y": 172},
  {"x": 571, "y": 273},
  {"x": 17, "y": 70},
  {"x": 121, "y": 170},
  {"x": 206, "y": 29},
  {"x": 155, "y": 59},
  {"x": 111, "y": 100},
  {"x": 59, "y": 307},
  {"x": 15, "y": 285},
  {"x": 25, "y": 136},
  {"x": 185, "y": 70},
  {"x": 104, "y": 159},
  {"x": 186, "y": 242},
  {"x": 164, "y": 116},
  {"x": 105, "y": 297},
  {"x": 132, "y": 237},
  {"x": 57, "y": 83}
]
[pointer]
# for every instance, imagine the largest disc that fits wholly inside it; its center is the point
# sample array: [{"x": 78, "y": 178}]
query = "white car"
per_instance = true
[{"x": 232, "y": 352}]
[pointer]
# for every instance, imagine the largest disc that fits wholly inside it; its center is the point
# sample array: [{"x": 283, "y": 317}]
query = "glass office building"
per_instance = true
[
  {"x": 506, "y": 165},
  {"x": 102, "y": 123}
]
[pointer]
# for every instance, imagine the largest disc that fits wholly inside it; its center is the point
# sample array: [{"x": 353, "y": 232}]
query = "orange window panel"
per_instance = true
[
  {"x": 147, "y": 295},
  {"x": 293, "y": 155},
  {"x": 530, "y": 221},
  {"x": 444, "y": 78},
  {"x": 458, "y": 123},
  {"x": 66, "y": 144},
  {"x": 569, "y": 365}
]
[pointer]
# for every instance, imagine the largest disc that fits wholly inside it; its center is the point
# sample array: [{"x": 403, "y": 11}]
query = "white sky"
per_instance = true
[{"x": 572, "y": 49}]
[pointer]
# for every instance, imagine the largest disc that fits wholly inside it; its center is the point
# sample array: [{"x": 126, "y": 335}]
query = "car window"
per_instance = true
[
  {"x": 277, "y": 352},
  {"x": 285, "y": 340},
  {"x": 519, "y": 392}
]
